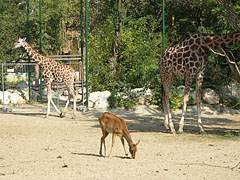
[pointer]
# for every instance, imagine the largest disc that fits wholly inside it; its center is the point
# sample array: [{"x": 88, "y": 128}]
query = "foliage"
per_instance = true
[
  {"x": 175, "y": 98},
  {"x": 140, "y": 42},
  {"x": 122, "y": 97}
]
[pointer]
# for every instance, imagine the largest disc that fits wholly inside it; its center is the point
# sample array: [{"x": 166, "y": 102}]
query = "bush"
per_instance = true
[
  {"x": 175, "y": 98},
  {"x": 122, "y": 97}
]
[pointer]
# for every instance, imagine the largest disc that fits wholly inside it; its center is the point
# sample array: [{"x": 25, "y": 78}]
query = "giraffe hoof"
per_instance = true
[
  {"x": 61, "y": 115},
  {"x": 173, "y": 132},
  {"x": 180, "y": 132},
  {"x": 202, "y": 132},
  {"x": 166, "y": 131}
]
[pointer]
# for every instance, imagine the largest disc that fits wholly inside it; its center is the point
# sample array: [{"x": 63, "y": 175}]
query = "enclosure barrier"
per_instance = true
[{"x": 14, "y": 73}]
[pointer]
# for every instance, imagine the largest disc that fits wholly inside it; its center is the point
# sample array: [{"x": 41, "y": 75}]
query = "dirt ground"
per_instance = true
[{"x": 33, "y": 147}]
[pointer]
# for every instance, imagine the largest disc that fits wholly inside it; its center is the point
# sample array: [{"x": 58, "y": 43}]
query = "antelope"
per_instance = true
[{"x": 112, "y": 124}]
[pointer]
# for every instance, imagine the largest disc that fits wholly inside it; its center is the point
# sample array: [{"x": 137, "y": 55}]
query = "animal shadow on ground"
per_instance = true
[
  {"x": 152, "y": 120},
  {"x": 97, "y": 155},
  {"x": 86, "y": 154}
]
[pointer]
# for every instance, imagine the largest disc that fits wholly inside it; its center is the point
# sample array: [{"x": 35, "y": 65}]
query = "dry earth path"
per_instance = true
[{"x": 32, "y": 147}]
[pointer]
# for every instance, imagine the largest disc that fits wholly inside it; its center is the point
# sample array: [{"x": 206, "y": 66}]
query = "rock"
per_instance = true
[
  {"x": 6, "y": 96},
  {"x": 233, "y": 90},
  {"x": 25, "y": 93},
  {"x": 98, "y": 99},
  {"x": 143, "y": 95},
  {"x": 16, "y": 99},
  {"x": 210, "y": 96},
  {"x": 22, "y": 85},
  {"x": 138, "y": 92}
]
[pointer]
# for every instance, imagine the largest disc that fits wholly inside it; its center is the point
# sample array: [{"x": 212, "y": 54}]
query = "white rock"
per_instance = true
[
  {"x": 6, "y": 95},
  {"x": 210, "y": 96},
  {"x": 16, "y": 99},
  {"x": 98, "y": 99},
  {"x": 233, "y": 90},
  {"x": 138, "y": 91}
]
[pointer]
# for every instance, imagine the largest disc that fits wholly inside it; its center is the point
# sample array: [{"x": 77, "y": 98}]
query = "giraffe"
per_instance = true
[
  {"x": 52, "y": 71},
  {"x": 189, "y": 59}
]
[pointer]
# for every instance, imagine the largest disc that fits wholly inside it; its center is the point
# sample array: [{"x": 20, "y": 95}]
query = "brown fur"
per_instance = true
[{"x": 112, "y": 124}]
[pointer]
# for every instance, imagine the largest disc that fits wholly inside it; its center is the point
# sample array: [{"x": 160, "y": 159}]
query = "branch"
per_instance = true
[{"x": 227, "y": 58}]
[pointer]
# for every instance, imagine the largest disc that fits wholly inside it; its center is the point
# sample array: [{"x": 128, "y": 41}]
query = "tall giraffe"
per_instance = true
[
  {"x": 189, "y": 59},
  {"x": 52, "y": 71}
]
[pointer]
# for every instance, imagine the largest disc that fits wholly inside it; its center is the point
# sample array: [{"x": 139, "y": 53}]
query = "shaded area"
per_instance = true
[{"x": 152, "y": 120}]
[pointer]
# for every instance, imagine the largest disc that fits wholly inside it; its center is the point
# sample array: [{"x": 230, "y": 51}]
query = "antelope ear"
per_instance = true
[{"x": 138, "y": 142}]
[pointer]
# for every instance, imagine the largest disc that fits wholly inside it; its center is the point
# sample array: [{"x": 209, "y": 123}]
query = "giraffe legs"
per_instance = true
[
  {"x": 71, "y": 93},
  {"x": 198, "y": 101},
  {"x": 49, "y": 94},
  {"x": 188, "y": 82},
  {"x": 165, "y": 111},
  {"x": 166, "y": 107}
]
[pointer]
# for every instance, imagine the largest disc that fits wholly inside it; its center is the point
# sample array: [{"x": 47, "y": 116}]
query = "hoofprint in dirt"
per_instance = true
[{"x": 32, "y": 147}]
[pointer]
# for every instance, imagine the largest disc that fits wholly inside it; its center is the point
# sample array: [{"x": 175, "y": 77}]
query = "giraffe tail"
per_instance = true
[
  {"x": 162, "y": 94},
  {"x": 75, "y": 79}
]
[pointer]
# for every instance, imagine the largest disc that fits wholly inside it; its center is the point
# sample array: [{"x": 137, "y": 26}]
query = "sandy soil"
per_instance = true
[{"x": 33, "y": 147}]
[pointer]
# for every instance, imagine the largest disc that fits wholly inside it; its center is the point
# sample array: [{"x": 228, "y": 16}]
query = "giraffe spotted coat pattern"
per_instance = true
[
  {"x": 189, "y": 59},
  {"x": 52, "y": 71}
]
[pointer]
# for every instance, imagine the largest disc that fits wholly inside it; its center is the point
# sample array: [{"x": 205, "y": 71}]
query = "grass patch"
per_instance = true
[{"x": 232, "y": 134}]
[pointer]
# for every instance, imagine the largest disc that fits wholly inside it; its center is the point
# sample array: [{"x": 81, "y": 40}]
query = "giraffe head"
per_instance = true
[{"x": 19, "y": 43}]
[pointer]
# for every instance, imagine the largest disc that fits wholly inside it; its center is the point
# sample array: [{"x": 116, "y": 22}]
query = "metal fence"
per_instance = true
[{"x": 20, "y": 78}]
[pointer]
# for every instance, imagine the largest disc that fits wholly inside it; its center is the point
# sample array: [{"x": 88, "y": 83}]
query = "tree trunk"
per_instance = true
[{"x": 113, "y": 60}]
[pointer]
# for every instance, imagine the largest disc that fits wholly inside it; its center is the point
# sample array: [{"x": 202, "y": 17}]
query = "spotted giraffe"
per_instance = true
[
  {"x": 189, "y": 59},
  {"x": 52, "y": 71}
]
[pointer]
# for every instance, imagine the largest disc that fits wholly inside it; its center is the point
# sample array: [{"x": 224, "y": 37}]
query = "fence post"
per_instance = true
[
  {"x": 29, "y": 60},
  {"x": 3, "y": 86},
  {"x": 86, "y": 33}
]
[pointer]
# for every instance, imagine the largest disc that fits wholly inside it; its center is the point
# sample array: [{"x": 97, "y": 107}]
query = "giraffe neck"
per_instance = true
[
  {"x": 220, "y": 40},
  {"x": 35, "y": 55}
]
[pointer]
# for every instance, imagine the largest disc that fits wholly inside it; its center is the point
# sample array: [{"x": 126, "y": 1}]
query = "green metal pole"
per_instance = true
[
  {"x": 82, "y": 68},
  {"x": 29, "y": 60},
  {"x": 40, "y": 36},
  {"x": 163, "y": 21},
  {"x": 86, "y": 32}
]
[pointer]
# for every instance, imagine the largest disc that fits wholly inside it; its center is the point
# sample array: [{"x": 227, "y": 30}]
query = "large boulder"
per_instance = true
[
  {"x": 98, "y": 99},
  {"x": 142, "y": 95},
  {"x": 210, "y": 96},
  {"x": 233, "y": 90},
  {"x": 5, "y": 96},
  {"x": 11, "y": 97},
  {"x": 16, "y": 98},
  {"x": 25, "y": 93}
]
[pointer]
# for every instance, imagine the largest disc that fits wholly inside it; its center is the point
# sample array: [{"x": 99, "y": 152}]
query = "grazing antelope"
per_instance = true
[{"x": 117, "y": 126}]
